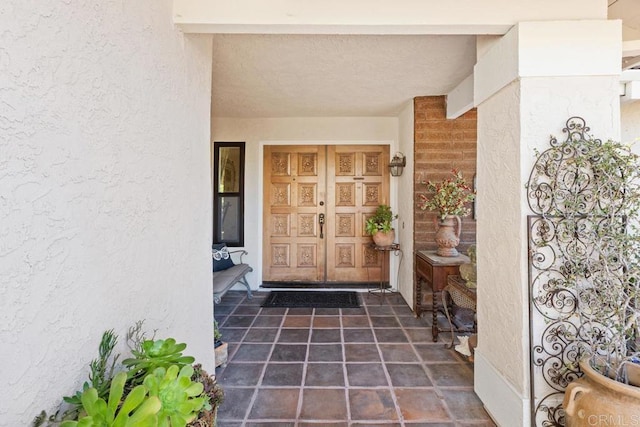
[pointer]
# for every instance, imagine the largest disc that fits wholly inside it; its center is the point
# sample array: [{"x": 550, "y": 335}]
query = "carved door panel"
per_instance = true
[
  {"x": 294, "y": 186},
  {"x": 302, "y": 183},
  {"x": 358, "y": 183}
]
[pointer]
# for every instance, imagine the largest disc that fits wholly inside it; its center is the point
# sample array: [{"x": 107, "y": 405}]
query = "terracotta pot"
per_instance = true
[
  {"x": 595, "y": 400},
  {"x": 221, "y": 354},
  {"x": 384, "y": 239},
  {"x": 448, "y": 235}
]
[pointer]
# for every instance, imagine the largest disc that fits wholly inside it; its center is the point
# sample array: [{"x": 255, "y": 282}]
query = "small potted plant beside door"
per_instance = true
[
  {"x": 379, "y": 227},
  {"x": 220, "y": 347}
]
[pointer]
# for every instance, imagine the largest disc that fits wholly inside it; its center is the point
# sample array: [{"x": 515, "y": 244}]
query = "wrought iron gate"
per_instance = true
[{"x": 566, "y": 208}]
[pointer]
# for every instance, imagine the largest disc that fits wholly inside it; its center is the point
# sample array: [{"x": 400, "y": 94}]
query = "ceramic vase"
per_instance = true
[
  {"x": 594, "y": 399},
  {"x": 448, "y": 235}
]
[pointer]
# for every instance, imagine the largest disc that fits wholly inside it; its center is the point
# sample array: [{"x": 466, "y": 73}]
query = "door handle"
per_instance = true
[{"x": 321, "y": 221}]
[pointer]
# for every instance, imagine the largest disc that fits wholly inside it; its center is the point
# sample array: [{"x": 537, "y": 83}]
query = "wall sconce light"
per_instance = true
[{"x": 397, "y": 164}]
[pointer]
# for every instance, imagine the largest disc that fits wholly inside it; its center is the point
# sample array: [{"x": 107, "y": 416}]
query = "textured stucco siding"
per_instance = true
[
  {"x": 500, "y": 235},
  {"x": 104, "y": 189},
  {"x": 512, "y": 124},
  {"x": 630, "y": 123}
]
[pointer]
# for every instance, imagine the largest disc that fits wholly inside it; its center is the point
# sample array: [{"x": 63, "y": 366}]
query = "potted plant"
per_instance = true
[
  {"x": 156, "y": 386},
  {"x": 379, "y": 226},
  {"x": 586, "y": 194},
  {"x": 449, "y": 199},
  {"x": 220, "y": 347}
]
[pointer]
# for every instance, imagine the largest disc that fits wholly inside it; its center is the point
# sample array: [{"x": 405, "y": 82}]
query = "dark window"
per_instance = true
[{"x": 228, "y": 193}]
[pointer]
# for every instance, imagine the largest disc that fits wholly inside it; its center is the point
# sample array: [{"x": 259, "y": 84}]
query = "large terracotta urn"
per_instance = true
[
  {"x": 596, "y": 400},
  {"x": 448, "y": 235}
]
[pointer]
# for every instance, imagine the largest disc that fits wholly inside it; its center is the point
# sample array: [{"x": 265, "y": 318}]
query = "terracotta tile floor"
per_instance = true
[{"x": 369, "y": 366}]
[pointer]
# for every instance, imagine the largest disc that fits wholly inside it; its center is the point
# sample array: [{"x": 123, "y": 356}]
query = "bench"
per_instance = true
[{"x": 225, "y": 279}]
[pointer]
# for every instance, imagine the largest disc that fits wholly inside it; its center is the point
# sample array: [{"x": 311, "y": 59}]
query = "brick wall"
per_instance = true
[{"x": 440, "y": 146}]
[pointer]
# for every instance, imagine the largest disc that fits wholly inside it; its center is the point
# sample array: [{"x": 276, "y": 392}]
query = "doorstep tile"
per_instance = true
[
  {"x": 324, "y": 404},
  {"x": 238, "y": 321},
  {"x": 412, "y": 322},
  {"x": 366, "y": 375},
  {"x": 361, "y": 353},
  {"x": 450, "y": 374},
  {"x": 324, "y": 375},
  {"x": 283, "y": 374},
  {"x": 294, "y": 335},
  {"x": 422, "y": 335},
  {"x": 326, "y": 322},
  {"x": 408, "y": 375},
  {"x": 264, "y": 321},
  {"x": 297, "y": 321},
  {"x": 241, "y": 374},
  {"x": 358, "y": 335},
  {"x": 236, "y": 404},
  {"x": 380, "y": 310},
  {"x": 367, "y": 404},
  {"x": 289, "y": 353},
  {"x": 325, "y": 353},
  {"x": 355, "y": 321},
  {"x": 424, "y": 406},
  {"x": 275, "y": 403},
  {"x": 252, "y": 353},
  {"x": 390, "y": 335},
  {"x": 384, "y": 322},
  {"x": 398, "y": 353},
  {"x": 435, "y": 352},
  {"x": 300, "y": 311},
  {"x": 325, "y": 335},
  {"x": 263, "y": 335},
  {"x": 232, "y": 334},
  {"x": 465, "y": 405},
  {"x": 327, "y": 311}
]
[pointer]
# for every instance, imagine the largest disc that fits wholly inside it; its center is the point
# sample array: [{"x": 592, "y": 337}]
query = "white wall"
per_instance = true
[
  {"x": 313, "y": 130},
  {"x": 104, "y": 189},
  {"x": 512, "y": 122},
  {"x": 406, "y": 202},
  {"x": 630, "y": 123}
]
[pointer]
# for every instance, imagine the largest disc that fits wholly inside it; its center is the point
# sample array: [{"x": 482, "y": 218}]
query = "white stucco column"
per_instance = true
[{"x": 526, "y": 86}]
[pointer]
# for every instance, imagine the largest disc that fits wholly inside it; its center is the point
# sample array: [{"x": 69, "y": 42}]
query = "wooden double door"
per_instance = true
[{"x": 316, "y": 201}]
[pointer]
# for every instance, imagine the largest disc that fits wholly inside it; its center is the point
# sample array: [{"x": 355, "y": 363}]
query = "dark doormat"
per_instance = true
[{"x": 315, "y": 299}]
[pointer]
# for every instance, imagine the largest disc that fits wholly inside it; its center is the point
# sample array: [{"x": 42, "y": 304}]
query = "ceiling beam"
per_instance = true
[{"x": 375, "y": 16}]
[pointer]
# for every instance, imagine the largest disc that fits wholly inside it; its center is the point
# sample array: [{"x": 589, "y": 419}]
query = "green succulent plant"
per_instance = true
[
  {"x": 181, "y": 398},
  {"x": 101, "y": 370},
  {"x": 137, "y": 410},
  {"x": 154, "y": 354}
]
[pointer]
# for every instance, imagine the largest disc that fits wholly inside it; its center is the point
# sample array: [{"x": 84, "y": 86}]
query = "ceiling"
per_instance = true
[
  {"x": 333, "y": 75},
  {"x": 276, "y": 75}
]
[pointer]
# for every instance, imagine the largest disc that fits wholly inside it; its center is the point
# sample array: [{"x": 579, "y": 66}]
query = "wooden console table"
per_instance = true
[{"x": 432, "y": 270}]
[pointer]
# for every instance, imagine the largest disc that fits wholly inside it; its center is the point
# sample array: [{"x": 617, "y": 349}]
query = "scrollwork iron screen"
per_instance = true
[{"x": 567, "y": 216}]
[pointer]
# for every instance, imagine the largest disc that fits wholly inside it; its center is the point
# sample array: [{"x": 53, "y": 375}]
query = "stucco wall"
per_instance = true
[
  {"x": 630, "y": 123},
  {"x": 500, "y": 236},
  {"x": 511, "y": 125},
  {"x": 406, "y": 203},
  {"x": 104, "y": 189},
  {"x": 300, "y": 130}
]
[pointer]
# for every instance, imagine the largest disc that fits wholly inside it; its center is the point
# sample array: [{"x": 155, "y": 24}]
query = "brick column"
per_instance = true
[{"x": 440, "y": 146}]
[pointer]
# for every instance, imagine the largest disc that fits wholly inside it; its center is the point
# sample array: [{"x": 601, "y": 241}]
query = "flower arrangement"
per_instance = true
[{"x": 450, "y": 196}]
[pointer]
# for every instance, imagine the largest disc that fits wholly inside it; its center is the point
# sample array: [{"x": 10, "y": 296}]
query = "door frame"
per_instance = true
[{"x": 393, "y": 196}]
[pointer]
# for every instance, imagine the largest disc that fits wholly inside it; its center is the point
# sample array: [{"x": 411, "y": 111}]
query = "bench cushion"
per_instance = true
[{"x": 222, "y": 280}]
